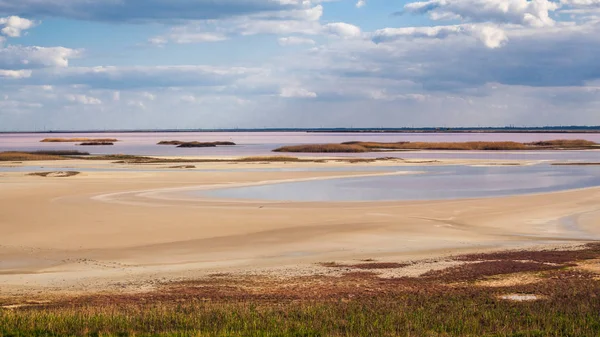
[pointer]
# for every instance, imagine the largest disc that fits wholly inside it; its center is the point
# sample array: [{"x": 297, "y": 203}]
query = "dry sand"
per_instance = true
[{"x": 113, "y": 230}]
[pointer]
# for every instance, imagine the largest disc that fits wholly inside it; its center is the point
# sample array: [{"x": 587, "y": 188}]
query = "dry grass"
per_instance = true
[
  {"x": 322, "y": 148},
  {"x": 96, "y": 143},
  {"x": 40, "y": 155},
  {"x": 355, "y": 146},
  {"x": 575, "y": 164},
  {"x": 77, "y": 140},
  {"x": 565, "y": 144},
  {"x": 195, "y": 144},
  {"x": 54, "y": 174},
  {"x": 182, "y": 167},
  {"x": 378, "y": 145},
  {"x": 270, "y": 159},
  {"x": 25, "y": 156},
  {"x": 366, "y": 266}
]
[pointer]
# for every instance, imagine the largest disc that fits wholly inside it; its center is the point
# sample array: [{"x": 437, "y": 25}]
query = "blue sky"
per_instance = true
[{"x": 126, "y": 64}]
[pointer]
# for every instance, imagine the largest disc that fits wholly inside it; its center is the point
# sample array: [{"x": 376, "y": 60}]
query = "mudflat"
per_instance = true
[{"x": 119, "y": 230}]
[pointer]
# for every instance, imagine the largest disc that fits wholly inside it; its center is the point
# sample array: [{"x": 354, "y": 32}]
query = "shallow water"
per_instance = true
[
  {"x": 262, "y": 143},
  {"x": 444, "y": 182}
]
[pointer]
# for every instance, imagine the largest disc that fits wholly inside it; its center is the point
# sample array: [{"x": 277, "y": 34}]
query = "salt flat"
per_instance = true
[{"x": 105, "y": 228}]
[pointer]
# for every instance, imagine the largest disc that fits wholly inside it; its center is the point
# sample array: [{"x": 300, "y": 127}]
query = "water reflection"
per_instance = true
[{"x": 447, "y": 182}]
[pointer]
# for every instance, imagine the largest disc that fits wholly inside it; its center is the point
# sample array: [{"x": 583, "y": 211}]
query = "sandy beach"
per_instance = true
[{"x": 103, "y": 230}]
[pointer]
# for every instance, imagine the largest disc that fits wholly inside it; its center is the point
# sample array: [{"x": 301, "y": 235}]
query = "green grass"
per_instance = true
[{"x": 458, "y": 313}]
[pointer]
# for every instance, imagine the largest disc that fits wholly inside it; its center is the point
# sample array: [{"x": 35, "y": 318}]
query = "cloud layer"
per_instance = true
[{"x": 283, "y": 63}]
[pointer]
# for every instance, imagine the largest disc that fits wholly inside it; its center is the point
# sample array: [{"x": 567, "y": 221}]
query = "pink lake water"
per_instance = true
[{"x": 262, "y": 143}]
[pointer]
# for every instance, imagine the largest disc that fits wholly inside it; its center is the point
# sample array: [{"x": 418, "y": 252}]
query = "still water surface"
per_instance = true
[
  {"x": 442, "y": 182},
  {"x": 262, "y": 143}
]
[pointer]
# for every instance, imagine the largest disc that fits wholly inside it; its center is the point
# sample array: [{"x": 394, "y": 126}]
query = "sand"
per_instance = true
[{"x": 116, "y": 230}]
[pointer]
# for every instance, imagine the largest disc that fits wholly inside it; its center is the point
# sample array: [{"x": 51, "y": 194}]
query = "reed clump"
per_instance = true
[
  {"x": 442, "y": 145},
  {"x": 78, "y": 140},
  {"x": 565, "y": 144},
  {"x": 96, "y": 143},
  {"x": 357, "y": 146},
  {"x": 39, "y": 155},
  {"x": 179, "y": 143},
  {"x": 323, "y": 148}
]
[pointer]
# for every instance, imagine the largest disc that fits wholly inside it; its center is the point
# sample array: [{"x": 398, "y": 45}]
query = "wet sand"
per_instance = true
[{"x": 102, "y": 231}]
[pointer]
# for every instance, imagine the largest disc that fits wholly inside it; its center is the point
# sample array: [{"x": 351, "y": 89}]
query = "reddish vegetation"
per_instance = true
[
  {"x": 370, "y": 265},
  {"x": 358, "y": 303},
  {"x": 474, "y": 271}
]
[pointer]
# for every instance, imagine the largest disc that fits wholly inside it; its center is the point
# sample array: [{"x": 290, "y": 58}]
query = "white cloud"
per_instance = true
[
  {"x": 15, "y": 73},
  {"x": 116, "y": 96},
  {"x": 342, "y": 29},
  {"x": 182, "y": 35},
  {"x": 148, "y": 96},
  {"x": 136, "y": 77},
  {"x": 14, "y": 25},
  {"x": 294, "y": 41},
  {"x": 523, "y": 12},
  {"x": 361, "y": 3},
  {"x": 295, "y": 92},
  {"x": 580, "y": 3},
  {"x": 188, "y": 99},
  {"x": 294, "y": 21},
  {"x": 83, "y": 99},
  {"x": 21, "y": 57},
  {"x": 136, "y": 104},
  {"x": 490, "y": 36}
]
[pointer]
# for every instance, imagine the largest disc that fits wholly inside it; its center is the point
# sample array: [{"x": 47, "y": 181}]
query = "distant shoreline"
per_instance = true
[{"x": 551, "y": 129}]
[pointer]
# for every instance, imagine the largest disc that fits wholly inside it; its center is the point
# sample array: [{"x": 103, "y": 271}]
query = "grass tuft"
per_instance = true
[
  {"x": 54, "y": 174},
  {"x": 323, "y": 148}
]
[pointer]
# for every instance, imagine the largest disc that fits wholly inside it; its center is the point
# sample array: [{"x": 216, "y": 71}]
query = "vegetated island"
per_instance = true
[
  {"x": 79, "y": 140},
  {"x": 96, "y": 143},
  {"x": 41, "y": 155},
  {"x": 133, "y": 159},
  {"x": 179, "y": 143},
  {"x": 357, "y": 147}
]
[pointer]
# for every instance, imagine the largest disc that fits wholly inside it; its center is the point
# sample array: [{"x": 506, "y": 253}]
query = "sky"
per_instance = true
[{"x": 193, "y": 64}]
